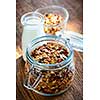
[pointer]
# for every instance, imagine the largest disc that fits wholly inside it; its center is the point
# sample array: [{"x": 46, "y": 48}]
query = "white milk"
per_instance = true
[{"x": 32, "y": 29}]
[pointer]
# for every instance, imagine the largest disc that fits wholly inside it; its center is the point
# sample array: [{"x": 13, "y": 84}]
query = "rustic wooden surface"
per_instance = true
[{"x": 75, "y": 24}]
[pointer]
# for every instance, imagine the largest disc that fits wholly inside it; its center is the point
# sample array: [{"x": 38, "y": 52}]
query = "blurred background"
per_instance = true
[{"x": 74, "y": 7}]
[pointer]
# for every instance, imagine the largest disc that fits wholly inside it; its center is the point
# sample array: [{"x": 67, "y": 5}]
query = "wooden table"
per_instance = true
[{"x": 74, "y": 7}]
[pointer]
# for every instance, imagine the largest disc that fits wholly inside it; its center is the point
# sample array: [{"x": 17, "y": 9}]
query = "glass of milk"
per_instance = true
[{"x": 32, "y": 28}]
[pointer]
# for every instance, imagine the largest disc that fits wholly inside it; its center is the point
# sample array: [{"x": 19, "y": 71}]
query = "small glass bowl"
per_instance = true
[{"x": 58, "y": 10}]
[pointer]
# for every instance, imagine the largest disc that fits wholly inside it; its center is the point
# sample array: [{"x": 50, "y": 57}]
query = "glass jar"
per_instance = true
[
  {"x": 49, "y": 79},
  {"x": 56, "y": 18},
  {"x": 32, "y": 27}
]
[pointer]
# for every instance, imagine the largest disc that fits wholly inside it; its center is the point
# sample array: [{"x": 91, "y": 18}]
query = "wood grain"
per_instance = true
[{"x": 74, "y": 7}]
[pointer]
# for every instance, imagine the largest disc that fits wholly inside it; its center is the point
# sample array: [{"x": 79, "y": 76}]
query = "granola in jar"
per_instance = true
[
  {"x": 51, "y": 81},
  {"x": 52, "y": 23},
  {"x": 50, "y": 53}
]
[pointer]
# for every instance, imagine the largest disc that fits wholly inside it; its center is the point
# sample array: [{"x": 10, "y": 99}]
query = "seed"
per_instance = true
[
  {"x": 52, "y": 72},
  {"x": 54, "y": 82}
]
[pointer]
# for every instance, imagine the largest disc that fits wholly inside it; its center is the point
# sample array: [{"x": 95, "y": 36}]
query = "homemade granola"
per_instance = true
[
  {"x": 52, "y": 23},
  {"x": 50, "y": 81},
  {"x": 50, "y": 53}
]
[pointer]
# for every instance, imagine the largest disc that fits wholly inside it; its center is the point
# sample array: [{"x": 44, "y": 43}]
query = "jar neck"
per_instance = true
[
  {"x": 57, "y": 66},
  {"x": 32, "y": 19},
  {"x": 44, "y": 39}
]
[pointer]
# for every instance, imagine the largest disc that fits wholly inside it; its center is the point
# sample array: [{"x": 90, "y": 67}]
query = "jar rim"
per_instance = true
[
  {"x": 42, "y": 65},
  {"x": 58, "y": 7},
  {"x": 25, "y": 17}
]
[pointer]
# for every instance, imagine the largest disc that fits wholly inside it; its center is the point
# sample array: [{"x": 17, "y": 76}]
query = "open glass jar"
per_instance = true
[
  {"x": 49, "y": 79},
  {"x": 56, "y": 18}
]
